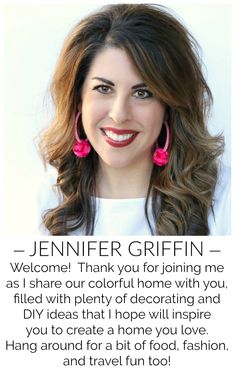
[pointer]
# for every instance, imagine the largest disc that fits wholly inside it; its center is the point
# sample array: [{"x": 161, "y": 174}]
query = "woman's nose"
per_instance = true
[{"x": 120, "y": 110}]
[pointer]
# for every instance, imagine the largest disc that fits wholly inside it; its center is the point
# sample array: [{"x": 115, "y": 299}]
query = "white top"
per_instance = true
[
  {"x": 126, "y": 217},
  {"x": 123, "y": 217}
]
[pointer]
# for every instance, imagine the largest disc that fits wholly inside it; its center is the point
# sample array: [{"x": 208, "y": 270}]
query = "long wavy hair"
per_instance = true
[{"x": 168, "y": 60}]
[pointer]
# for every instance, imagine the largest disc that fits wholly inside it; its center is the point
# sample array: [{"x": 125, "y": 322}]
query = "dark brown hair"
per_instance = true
[{"x": 168, "y": 60}]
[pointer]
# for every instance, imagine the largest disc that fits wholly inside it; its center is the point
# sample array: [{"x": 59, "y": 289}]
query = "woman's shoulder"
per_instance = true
[{"x": 220, "y": 219}]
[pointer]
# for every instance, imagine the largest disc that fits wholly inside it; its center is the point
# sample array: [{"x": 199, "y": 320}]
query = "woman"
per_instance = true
[{"x": 129, "y": 139}]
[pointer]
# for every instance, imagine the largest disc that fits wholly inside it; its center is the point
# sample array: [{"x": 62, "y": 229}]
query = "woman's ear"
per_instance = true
[
  {"x": 80, "y": 106},
  {"x": 166, "y": 115}
]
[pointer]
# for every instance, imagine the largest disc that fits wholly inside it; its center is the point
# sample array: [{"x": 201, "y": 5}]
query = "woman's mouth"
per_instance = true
[{"x": 118, "y": 137}]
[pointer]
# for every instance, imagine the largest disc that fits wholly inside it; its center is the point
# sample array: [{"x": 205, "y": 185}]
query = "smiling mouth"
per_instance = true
[{"x": 118, "y": 137}]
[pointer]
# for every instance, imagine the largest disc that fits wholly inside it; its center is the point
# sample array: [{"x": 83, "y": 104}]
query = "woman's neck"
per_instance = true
[{"x": 123, "y": 183}]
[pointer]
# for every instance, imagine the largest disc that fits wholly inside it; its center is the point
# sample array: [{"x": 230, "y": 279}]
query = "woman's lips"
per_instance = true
[{"x": 118, "y": 137}]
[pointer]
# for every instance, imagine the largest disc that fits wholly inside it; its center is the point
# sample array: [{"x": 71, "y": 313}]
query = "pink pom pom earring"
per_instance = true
[
  {"x": 161, "y": 155},
  {"x": 81, "y": 148}
]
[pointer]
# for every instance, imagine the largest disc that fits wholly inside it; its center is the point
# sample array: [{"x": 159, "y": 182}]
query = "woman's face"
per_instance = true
[{"x": 121, "y": 116}]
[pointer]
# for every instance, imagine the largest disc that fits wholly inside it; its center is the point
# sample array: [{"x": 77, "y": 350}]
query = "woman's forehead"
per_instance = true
[{"x": 115, "y": 65}]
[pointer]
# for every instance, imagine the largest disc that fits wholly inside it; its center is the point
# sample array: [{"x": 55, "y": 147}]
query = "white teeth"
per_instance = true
[{"x": 118, "y": 138}]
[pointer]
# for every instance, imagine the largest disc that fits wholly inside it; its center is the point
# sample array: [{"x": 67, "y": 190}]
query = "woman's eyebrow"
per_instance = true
[
  {"x": 104, "y": 80},
  {"x": 138, "y": 85}
]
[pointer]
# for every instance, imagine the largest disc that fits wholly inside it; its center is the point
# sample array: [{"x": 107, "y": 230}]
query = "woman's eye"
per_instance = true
[
  {"x": 103, "y": 89},
  {"x": 142, "y": 94}
]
